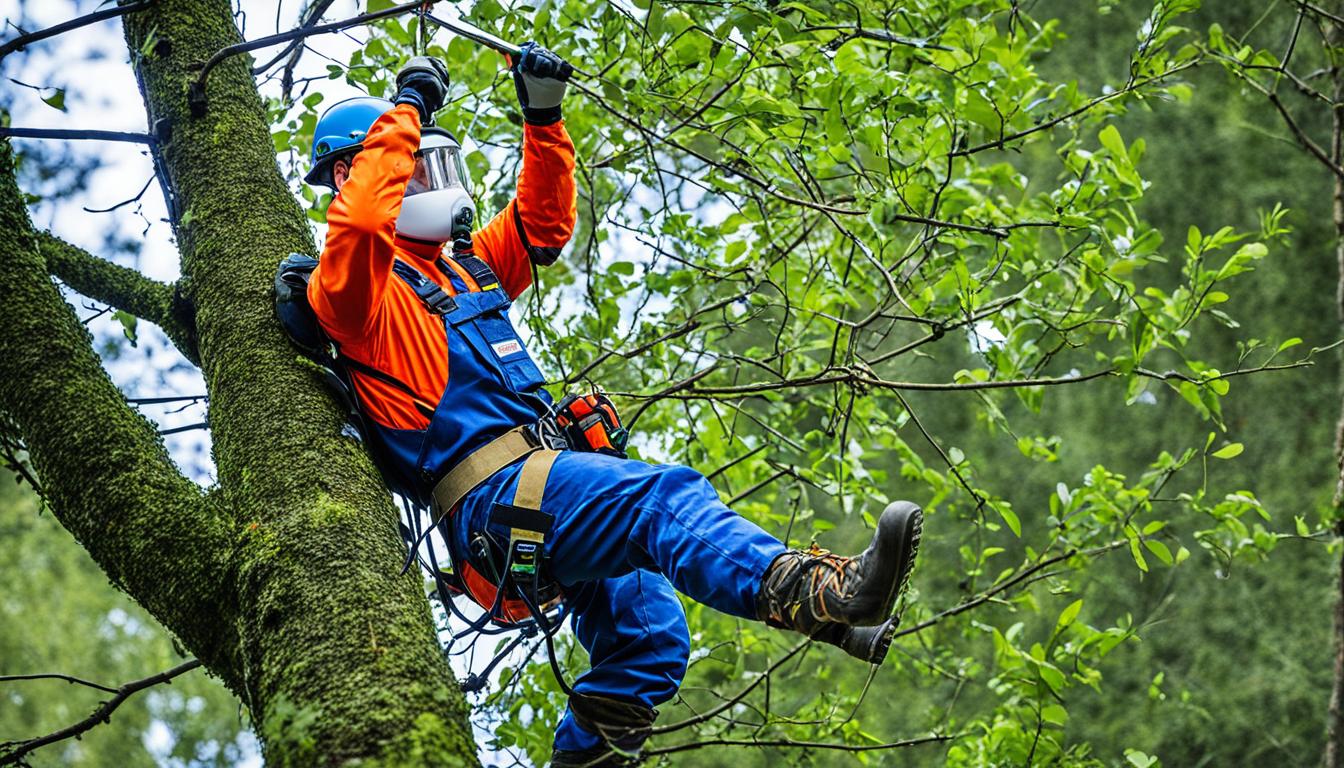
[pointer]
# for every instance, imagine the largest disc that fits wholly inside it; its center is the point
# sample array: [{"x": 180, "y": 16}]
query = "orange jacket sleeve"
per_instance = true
[
  {"x": 346, "y": 290},
  {"x": 538, "y": 222}
]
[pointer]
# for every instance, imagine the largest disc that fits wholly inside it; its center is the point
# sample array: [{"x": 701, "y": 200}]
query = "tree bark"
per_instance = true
[
  {"x": 339, "y": 651},
  {"x": 124, "y": 289},
  {"x": 285, "y": 579},
  {"x": 1334, "y": 750}
]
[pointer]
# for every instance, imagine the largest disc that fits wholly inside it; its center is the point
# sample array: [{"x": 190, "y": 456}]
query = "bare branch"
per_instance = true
[
  {"x": 100, "y": 715},
  {"x": 881, "y": 35},
  {"x": 71, "y": 133},
  {"x": 58, "y": 676},
  {"x": 313, "y": 13},
  {"x": 790, "y": 743},
  {"x": 734, "y": 699},
  {"x": 196, "y": 93},
  {"x": 18, "y": 43}
]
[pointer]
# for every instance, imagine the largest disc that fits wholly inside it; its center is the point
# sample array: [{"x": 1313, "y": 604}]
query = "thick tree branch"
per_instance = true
[
  {"x": 322, "y": 611},
  {"x": 122, "y": 288},
  {"x": 104, "y": 470},
  {"x": 99, "y": 715}
]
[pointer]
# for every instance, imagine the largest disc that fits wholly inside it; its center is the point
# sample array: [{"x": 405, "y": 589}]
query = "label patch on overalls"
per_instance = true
[{"x": 507, "y": 347}]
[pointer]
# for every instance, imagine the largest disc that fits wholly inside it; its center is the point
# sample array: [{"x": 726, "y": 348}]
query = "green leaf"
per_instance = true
[
  {"x": 1069, "y": 614},
  {"x": 1159, "y": 550},
  {"x": 1054, "y": 714},
  {"x": 1289, "y": 344},
  {"x": 1229, "y": 451},
  {"x": 1009, "y": 517},
  {"x": 1302, "y": 529},
  {"x": 1052, "y": 677},
  {"x": 56, "y": 99},
  {"x": 1137, "y": 552},
  {"x": 128, "y": 324},
  {"x": 1110, "y": 139}
]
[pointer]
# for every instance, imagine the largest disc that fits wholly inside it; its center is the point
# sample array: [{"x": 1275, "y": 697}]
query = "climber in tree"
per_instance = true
[{"x": 536, "y": 500}]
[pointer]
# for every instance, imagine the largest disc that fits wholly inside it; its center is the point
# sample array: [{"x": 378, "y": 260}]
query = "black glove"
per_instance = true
[
  {"x": 540, "y": 78},
  {"x": 423, "y": 83}
]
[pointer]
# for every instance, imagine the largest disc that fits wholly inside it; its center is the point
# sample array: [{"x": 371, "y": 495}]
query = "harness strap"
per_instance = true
[
  {"x": 436, "y": 300},
  {"x": 480, "y": 465},
  {"x": 532, "y": 480},
  {"x": 476, "y": 267}
]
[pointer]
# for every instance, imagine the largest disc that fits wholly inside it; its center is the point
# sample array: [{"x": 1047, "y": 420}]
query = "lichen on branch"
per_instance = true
[
  {"x": 123, "y": 288},
  {"x": 104, "y": 470}
]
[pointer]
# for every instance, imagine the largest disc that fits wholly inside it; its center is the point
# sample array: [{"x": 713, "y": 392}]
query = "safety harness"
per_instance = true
[{"x": 514, "y": 592}]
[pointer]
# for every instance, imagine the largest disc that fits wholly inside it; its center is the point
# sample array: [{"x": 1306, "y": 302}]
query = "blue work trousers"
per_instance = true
[{"x": 625, "y": 535}]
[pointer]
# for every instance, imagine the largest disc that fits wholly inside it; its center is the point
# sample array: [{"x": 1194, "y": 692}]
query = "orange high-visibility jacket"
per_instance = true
[{"x": 376, "y": 318}]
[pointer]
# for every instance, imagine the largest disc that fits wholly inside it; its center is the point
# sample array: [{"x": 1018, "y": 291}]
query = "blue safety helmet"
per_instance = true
[{"x": 340, "y": 133}]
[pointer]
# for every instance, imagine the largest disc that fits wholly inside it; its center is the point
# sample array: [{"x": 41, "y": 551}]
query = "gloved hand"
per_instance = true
[
  {"x": 540, "y": 78},
  {"x": 423, "y": 83}
]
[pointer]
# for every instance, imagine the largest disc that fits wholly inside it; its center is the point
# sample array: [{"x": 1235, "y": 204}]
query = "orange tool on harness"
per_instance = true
[{"x": 590, "y": 422}]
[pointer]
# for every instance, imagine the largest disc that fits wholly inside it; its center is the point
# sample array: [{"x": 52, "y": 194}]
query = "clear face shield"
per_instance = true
[
  {"x": 437, "y": 168},
  {"x": 436, "y": 206}
]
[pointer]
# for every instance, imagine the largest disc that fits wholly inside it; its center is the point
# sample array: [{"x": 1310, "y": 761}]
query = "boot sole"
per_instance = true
[
  {"x": 876, "y": 647},
  {"x": 898, "y": 534}
]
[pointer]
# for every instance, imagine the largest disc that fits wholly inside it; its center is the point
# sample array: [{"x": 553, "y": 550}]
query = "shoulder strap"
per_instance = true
[
  {"x": 436, "y": 300},
  {"x": 476, "y": 267}
]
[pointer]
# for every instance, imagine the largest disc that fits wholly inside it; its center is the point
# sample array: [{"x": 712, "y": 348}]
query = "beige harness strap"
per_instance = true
[
  {"x": 480, "y": 465},
  {"x": 532, "y": 480}
]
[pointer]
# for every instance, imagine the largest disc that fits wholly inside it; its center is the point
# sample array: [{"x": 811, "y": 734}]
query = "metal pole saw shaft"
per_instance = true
[
  {"x": 476, "y": 35},
  {"x": 481, "y": 37}
]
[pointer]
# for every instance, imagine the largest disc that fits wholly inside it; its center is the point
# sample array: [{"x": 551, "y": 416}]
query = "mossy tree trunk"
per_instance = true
[{"x": 284, "y": 579}]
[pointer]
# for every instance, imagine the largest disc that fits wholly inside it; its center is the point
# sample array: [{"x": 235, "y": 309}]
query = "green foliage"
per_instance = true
[
  {"x": 59, "y": 614},
  {"x": 834, "y": 255}
]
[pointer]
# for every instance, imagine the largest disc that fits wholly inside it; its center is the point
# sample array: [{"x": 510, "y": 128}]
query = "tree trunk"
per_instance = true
[
  {"x": 284, "y": 579},
  {"x": 1334, "y": 750}
]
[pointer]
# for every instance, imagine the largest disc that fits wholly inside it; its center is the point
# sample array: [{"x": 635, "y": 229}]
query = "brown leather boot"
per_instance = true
[{"x": 811, "y": 590}]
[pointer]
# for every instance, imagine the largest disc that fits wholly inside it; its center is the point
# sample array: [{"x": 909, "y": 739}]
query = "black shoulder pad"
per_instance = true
[{"x": 291, "y": 304}]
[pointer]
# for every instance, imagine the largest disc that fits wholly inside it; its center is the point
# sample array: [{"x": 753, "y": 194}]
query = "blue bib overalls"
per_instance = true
[{"x": 625, "y": 535}]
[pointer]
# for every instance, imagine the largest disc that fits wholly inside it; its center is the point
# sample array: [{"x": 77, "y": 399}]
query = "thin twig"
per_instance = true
[
  {"x": 72, "y": 133},
  {"x": 58, "y": 676},
  {"x": 21, "y": 41},
  {"x": 100, "y": 715},
  {"x": 765, "y": 743}
]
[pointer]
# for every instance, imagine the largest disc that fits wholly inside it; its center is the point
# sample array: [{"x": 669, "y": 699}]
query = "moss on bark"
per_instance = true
[
  {"x": 123, "y": 288},
  {"x": 104, "y": 470},
  {"x": 332, "y": 636}
]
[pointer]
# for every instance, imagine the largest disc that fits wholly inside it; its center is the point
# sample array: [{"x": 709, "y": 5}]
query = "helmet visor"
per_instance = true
[{"x": 436, "y": 168}]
